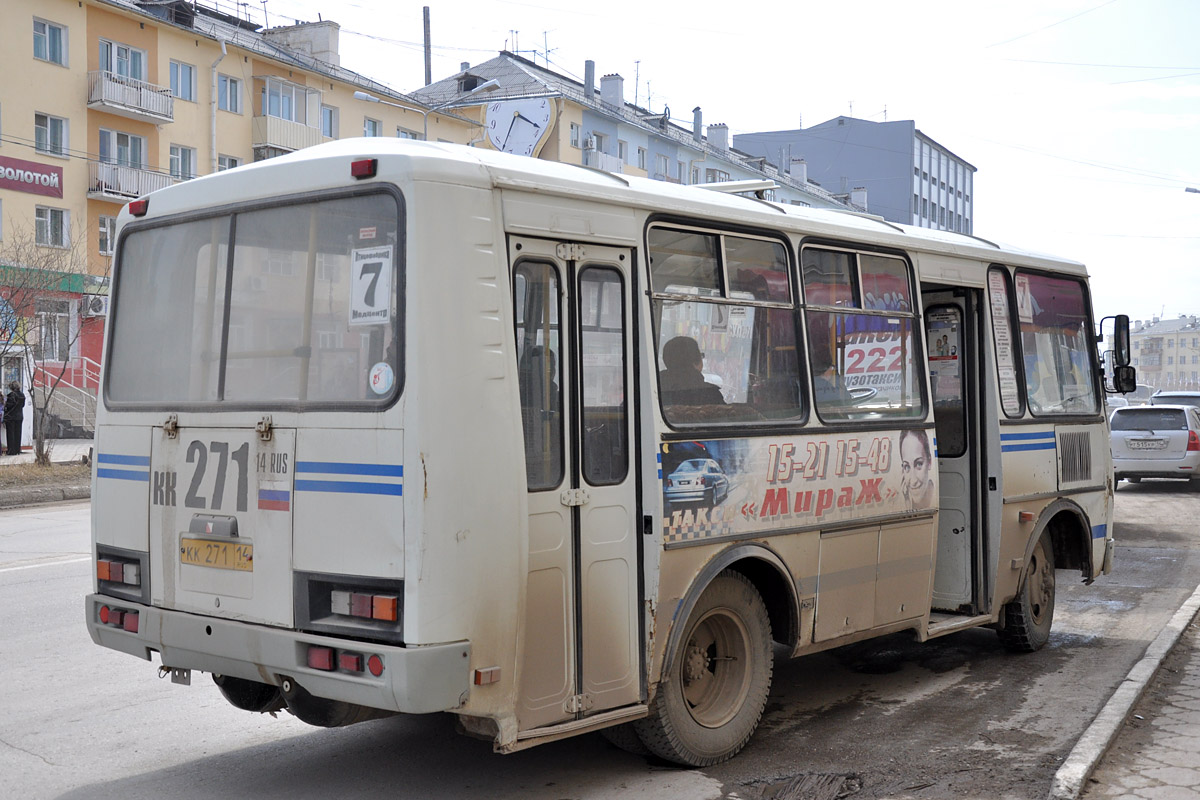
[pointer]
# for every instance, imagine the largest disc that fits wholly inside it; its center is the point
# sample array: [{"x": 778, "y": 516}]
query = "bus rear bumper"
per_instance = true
[{"x": 414, "y": 680}]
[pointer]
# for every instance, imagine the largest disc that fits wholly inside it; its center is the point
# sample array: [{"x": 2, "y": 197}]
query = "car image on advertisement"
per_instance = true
[
  {"x": 1156, "y": 442},
  {"x": 697, "y": 479}
]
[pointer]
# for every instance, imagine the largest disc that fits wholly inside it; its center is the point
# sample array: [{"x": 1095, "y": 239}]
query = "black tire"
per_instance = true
[
  {"x": 625, "y": 737},
  {"x": 1134, "y": 479},
  {"x": 708, "y": 705},
  {"x": 1027, "y": 619}
]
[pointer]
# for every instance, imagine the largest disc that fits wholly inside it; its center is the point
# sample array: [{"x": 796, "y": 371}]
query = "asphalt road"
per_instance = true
[{"x": 955, "y": 717}]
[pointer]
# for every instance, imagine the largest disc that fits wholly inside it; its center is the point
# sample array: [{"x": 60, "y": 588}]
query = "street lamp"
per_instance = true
[{"x": 486, "y": 86}]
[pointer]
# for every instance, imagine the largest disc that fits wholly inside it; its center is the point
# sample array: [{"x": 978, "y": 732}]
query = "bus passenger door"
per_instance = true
[
  {"x": 952, "y": 338},
  {"x": 582, "y": 649}
]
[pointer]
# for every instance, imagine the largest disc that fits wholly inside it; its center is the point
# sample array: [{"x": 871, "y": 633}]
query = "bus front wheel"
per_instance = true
[
  {"x": 1027, "y": 619},
  {"x": 710, "y": 702}
]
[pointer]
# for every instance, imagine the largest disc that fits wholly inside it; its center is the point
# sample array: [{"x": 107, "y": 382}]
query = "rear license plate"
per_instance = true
[
  {"x": 1147, "y": 444},
  {"x": 217, "y": 554}
]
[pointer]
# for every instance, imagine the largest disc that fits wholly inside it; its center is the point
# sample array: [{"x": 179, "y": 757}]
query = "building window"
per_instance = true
[
  {"x": 924, "y": 208},
  {"x": 50, "y": 134},
  {"x": 372, "y": 127},
  {"x": 681, "y": 171},
  {"x": 284, "y": 100},
  {"x": 660, "y": 165},
  {"x": 121, "y": 59},
  {"x": 696, "y": 177},
  {"x": 405, "y": 133},
  {"x": 599, "y": 142},
  {"x": 54, "y": 329},
  {"x": 329, "y": 122},
  {"x": 122, "y": 149},
  {"x": 183, "y": 162},
  {"x": 107, "y": 229},
  {"x": 227, "y": 162},
  {"x": 52, "y": 226},
  {"x": 574, "y": 135},
  {"x": 49, "y": 42},
  {"x": 183, "y": 81},
  {"x": 641, "y": 158},
  {"x": 715, "y": 176},
  {"x": 623, "y": 151},
  {"x": 1170, "y": 343},
  {"x": 229, "y": 94}
]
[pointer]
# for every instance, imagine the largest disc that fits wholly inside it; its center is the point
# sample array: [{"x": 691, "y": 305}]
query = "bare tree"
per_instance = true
[{"x": 41, "y": 288}]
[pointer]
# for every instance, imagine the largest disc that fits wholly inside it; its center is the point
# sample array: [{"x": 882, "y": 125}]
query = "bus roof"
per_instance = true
[{"x": 327, "y": 165}]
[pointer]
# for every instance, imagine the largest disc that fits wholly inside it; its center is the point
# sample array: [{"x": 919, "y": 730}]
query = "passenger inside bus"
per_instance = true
[
  {"x": 682, "y": 382},
  {"x": 829, "y": 389}
]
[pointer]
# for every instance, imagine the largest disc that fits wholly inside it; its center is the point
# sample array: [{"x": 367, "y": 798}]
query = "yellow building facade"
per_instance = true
[{"x": 104, "y": 101}]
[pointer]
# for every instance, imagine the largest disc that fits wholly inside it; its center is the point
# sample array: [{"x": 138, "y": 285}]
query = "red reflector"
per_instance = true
[
  {"x": 1025, "y": 516},
  {"x": 104, "y": 614},
  {"x": 487, "y": 675},
  {"x": 320, "y": 657},
  {"x": 375, "y": 665},
  {"x": 131, "y": 621},
  {"x": 116, "y": 617},
  {"x": 384, "y": 607},
  {"x": 351, "y": 662},
  {"x": 116, "y": 572},
  {"x": 138, "y": 208},
  {"x": 363, "y": 168},
  {"x": 360, "y": 605},
  {"x": 103, "y": 569}
]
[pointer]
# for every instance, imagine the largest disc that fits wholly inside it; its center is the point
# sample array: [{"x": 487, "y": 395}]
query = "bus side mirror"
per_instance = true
[
  {"x": 1124, "y": 379},
  {"x": 1121, "y": 341}
]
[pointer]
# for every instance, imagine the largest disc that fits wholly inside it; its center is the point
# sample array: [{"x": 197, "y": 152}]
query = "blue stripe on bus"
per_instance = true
[
  {"x": 132, "y": 461},
  {"x": 1018, "y": 442},
  {"x": 1013, "y": 448},
  {"x": 123, "y": 474},
  {"x": 347, "y": 468},
  {"x": 1100, "y": 531},
  {"x": 659, "y": 460},
  {"x": 349, "y": 487}
]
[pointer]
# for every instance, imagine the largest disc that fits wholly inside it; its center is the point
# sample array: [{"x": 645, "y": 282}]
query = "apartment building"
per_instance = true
[
  {"x": 1166, "y": 352},
  {"x": 104, "y": 101},
  {"x": 845, "y": 153},
  {"x": 535, "y": 111}
]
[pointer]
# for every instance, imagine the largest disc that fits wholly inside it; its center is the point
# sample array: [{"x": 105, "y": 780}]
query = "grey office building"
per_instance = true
[{"x": 908, "y": 176}]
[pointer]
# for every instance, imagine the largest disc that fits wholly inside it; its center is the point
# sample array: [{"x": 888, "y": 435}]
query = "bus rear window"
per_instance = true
[{"x": 305, "y": 312}]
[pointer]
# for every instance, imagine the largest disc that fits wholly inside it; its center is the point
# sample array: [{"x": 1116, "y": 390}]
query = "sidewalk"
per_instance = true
[
  {"x": 62, "y": 451},
  {"x": 1145, "y": 746}
]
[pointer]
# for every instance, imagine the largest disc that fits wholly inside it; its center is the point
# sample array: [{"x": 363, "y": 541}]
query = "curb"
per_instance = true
[
  {"x": 1099, "y": 736},
  {"x": 36, "y": 495}
]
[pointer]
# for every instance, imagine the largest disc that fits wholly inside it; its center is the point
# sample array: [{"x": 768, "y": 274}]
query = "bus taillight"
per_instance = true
[
  {"x": 366, "y": 606},
  {"x": 119, "y": 618}
]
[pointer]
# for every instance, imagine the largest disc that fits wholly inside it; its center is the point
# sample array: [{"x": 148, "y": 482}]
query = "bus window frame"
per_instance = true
[
  {"x": 1093, "y": 355},
  {"x": 766, "y": 426},
  {"x": 916, "y": 314},
  {"x": 231, "y": 210}
]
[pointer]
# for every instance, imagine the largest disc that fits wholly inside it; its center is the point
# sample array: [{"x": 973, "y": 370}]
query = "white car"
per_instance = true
[{"x": 1156, "y": 442}]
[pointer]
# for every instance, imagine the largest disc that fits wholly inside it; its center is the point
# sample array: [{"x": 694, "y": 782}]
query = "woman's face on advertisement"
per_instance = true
[{"x": 913, "y": 462}]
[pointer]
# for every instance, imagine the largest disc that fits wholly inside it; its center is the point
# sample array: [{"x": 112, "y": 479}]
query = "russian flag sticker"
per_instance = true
[{"x": 274, "y": 499}]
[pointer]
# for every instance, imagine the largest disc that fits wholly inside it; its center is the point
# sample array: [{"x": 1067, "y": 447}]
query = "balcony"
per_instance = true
[
  {"x": 131, "y": 98},
  {"x": 603, "y": 161},
  {"x": 273, "y": 133},
  {"x": 118, "y": 184}
]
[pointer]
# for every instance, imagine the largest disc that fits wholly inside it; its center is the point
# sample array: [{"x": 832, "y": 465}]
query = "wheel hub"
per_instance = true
[{"x": 696, "y": 664}]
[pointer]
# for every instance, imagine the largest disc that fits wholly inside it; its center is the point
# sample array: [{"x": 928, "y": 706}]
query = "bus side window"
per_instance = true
[
  {"x": 726, "y": 328},
  {"x": 1054, "y": 323}
]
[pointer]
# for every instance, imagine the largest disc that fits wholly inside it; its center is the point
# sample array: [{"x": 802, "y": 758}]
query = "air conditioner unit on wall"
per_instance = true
[
  {"x": 95, "y": 305},
  {"x": 589, "y": 143}
]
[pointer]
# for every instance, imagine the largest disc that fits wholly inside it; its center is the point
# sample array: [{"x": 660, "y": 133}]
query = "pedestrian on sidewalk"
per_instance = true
[{"x": 14, "y": 414}]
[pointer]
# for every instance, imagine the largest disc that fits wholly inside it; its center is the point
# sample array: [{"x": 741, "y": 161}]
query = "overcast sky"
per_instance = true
[{"x": 1082, "y": 116}]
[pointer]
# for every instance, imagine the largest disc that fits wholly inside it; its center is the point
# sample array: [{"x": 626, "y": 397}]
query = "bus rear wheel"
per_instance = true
[
  {"x": 1027, "y": 618},
  {"x": 710, "y": 702}
]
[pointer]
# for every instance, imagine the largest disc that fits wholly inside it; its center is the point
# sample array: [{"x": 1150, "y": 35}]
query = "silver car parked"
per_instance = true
[{"x": 1156, "y": 442}]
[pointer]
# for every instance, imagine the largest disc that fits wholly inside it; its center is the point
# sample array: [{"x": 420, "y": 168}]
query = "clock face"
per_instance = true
[{"x": 516, "y": 126}]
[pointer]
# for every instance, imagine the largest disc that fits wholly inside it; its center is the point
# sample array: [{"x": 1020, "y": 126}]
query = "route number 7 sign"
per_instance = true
[{"x": 370, "y": 285}]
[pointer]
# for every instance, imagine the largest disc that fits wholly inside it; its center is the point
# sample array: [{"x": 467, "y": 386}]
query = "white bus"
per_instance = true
[{"x": 401, "y": 427}]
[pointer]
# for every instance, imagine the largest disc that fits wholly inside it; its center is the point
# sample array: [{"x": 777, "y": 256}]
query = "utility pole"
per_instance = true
[{"x": 428, "y": 51}]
